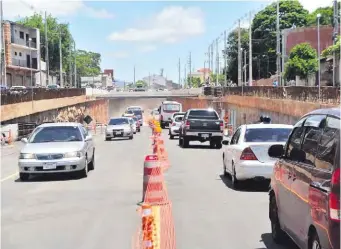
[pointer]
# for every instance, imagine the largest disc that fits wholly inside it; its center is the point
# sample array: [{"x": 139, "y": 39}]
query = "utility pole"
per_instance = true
[
  {"x": 185, "y": 76},
  {"x": 149, "y": 80},
  {"x": 245, "y": 67},
  {"x": 278, "y": 50},
  {"x": 190, "y": 69},
  {"x": 239, "y": 56},
  {"x": 75, "y": 65},
  {"x": 212, "y": 66},
  {"x": 60, "y": 58},
  {"x": 179, "y": 71},
  {"x": 134, "y": 76},
  {"x": 2, "y": 59},
  {"x": 70, "y": 66},
  {"x": 217, "y": 60},
  {"x": 225, "y": 58},
  {"x": 335, "y": 31},
  {"x": 250, "y": 50},
  {"x": 209, "y": 57},
  {"x": 47, "y": 53}
]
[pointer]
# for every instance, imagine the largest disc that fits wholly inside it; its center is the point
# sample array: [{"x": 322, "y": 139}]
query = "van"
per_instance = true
[
  {"x": 304, "y": 198},
  {"x": 166, "y": 110}
]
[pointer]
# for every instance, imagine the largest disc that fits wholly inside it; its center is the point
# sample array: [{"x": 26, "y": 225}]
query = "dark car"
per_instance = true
[{"x": 305, "y": 186}]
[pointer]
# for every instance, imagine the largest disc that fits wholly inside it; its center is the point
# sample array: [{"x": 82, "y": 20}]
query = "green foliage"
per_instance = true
[
  {"x": 221, "y": 78},
  {"x": 331, "y": 49},
  {"x": 140, "y": 83},
  {"x": 87, "y": 63},
  {"x": 194, "y": 81},
  {"x": 264, "y": 28},
  {"x": 302, "y": 62},
  {"x": 326, "y": 16}
]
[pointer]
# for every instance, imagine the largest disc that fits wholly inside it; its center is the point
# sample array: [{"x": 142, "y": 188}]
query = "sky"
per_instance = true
[{"x": 147, "y": 35}]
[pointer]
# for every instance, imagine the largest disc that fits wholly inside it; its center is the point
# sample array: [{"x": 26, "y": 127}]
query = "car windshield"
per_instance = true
[
  {"x": 137, "y": 112},
  {"x": 267, "y": 135},
  {"x": 207, "y": 114},
  {"x": 171, "y": 107},
  {"x": 56, "y": 134},
  {"x": 118, "y": 121}
]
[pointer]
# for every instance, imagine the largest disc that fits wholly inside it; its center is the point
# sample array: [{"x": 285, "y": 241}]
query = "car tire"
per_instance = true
[
  {"x": 314, "y": 242},
  {"x": 135, "y": 132},
  {"x": 185, "y": 142},
  {"x": 92, "y": 163},
  {"x": 234, "y": 180},
  {"x": 212, "y": 144},
  {"x": 24, "y": 176},
  {"x": 84, "y": 172},
  {"x": 131, "y": 137},
  {"x": 107, "y": 139},
  {"x": 277, "y": 234},
  {"x": 219, "y": 145},
  {"x": 171, "y": 136}
]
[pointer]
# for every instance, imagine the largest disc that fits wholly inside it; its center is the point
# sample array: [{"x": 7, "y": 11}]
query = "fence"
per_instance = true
[
  {"x": 13, "y": 97},
  {"x": 25, "y": 129},
  {"x": 300, "y": 93}
]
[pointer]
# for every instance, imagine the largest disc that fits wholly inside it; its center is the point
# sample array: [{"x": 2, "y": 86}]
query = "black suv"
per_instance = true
[{"x": 305, "y": 186}]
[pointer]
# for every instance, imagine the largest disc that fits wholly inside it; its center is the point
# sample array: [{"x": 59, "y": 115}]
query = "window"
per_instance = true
[
  {"x": 171, "y": 107},
  {"x": 295, "y": 139},
  {"x": 267, "y": 135},
  {"x": 20, "y": 54},
  {"x": 312, "y": 136},
  {"x": 327, "y": 147},
  {"x": 15, "y": 53},
  {"x": 21, "y": 34},
  {"x": 235, "y": 137}
]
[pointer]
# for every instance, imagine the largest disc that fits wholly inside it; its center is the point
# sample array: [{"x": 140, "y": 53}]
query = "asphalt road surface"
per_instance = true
[{"x": 99, "y": 212}]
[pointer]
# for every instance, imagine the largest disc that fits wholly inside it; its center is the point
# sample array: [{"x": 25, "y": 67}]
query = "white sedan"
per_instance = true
[{"x": 246, "y": 154}]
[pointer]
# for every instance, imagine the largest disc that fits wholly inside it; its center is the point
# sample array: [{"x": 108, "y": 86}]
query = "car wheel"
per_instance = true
[
  {"x": 84, "y": 172},
  {"x": 131, "y": 137},
  {"x": 315, "y": 242},
  {"x": 235, "y": 182},
  {"x": 92, "y": 163},
  {"x": 278, "y": 235},
  {"x": 107, "y": 139},
  {"x": 24, "y": 176},
  {"x": 185, "y": 142}
]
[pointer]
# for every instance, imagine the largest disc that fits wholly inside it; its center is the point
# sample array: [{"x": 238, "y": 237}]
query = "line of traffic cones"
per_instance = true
[{"x": 157, "y": 230}]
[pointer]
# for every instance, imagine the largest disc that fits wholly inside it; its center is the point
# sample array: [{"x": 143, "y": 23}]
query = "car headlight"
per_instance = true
[
  {"x": 73, "y": 154},
  {"x": 27, "y": 156}
]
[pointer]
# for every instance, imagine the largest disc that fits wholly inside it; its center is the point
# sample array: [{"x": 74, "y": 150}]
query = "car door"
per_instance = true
[
  {"x": 88, "y": 144},
  {"x": 230, "y": 150},
  {"x": 284, "y": 167},
  {"x": 302, "y": 177}
]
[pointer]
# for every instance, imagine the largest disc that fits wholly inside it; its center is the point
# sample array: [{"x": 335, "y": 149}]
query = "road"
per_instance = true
[{"x": 100, "y": 211}]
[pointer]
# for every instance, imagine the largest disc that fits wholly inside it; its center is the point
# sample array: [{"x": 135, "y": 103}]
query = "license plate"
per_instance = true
[
  {"x": 205, "y": 135},
  {"x": 118, "y": 133},
  {"x": 49, "y": 166}
]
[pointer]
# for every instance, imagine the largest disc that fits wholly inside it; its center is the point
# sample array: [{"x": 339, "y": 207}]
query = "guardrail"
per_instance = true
[
  {"x": 27, "y": 95},
  {"x": 300, "y": 93}
]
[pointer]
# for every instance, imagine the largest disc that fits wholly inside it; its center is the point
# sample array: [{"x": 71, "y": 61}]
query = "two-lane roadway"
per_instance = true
[{"x": 99, "y": 212}]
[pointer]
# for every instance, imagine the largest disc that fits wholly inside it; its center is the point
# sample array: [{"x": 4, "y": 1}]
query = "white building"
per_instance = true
[
  {"x": 22, "y": 50},
  {"x": 102, "y": 80}
]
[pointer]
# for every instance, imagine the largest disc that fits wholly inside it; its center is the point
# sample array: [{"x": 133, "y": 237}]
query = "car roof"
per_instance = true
[
  {"x": 260, "y": 126},
  {"x": 326, "y": 111},
  {"x": 68, "y": 124}
]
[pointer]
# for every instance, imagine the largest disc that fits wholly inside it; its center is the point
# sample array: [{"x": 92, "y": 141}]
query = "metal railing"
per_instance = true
[
  {"x": 23, "y": 42},
  {"x": 27, "y": 95}
]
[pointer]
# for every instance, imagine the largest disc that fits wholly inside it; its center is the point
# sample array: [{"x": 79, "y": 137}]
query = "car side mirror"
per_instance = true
[
  {"x": 276, "y": 151},
  {"x": 24, "y": 140},
  {"x": 225, "y": 142}
]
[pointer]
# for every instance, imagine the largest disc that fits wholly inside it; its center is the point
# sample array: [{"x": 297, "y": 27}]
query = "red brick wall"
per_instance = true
[
  {"x": 7, "y": 36},
  {"x": 309, "y": 35}
]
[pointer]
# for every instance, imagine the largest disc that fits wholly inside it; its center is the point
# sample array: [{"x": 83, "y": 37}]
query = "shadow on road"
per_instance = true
[
  {"x": 247, "y": 186},
  {"x": 51, "y": 177},
  {"x": 270, "y": 244}
]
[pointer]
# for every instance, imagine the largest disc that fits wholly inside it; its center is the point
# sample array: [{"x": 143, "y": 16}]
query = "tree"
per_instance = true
[
  {"x": 302, "y": 62},
  {"x": 194, "y": 81},
  {"x": 232, "y": 52},
  {"x": 53, "y": 31},
  {"x": 140, "y": 83},
  {"x": 264, "y": 28},
  {"x": 333, "y": 48},
  {"x": 88, "y": 63},
  {"x": 326, "y": 16},
  {"x": 221, "y": 78}
]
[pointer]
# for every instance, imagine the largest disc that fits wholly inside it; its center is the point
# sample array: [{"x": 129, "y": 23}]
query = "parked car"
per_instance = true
[
  {"x": 201, "y": 125},
  {"x": 57, "y": 148},
  {"x": 304, "y": 200},
  {"x": 174, "y": 128},
  {"x": 119, "y": 127},
  {"x": 246, "y": 154}
]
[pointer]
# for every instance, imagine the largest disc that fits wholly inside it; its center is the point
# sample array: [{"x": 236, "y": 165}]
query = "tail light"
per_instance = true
[
  {"x": 248, "y": 154},
  {"x": 187, "y": 125},
  {"x": 221, "y": 126},
  {"x": 161, "y": 117},
  {"x": 334, "y": 196}
]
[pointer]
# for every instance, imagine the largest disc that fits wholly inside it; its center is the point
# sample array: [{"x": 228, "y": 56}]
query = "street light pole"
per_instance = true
[
  {"x": 239, "y": 56},
  {"x": 319, "y": 55},
  {"x": 75, "y": 66},
  {"x": 225, "y": 58},
  {"x": 60, "y": 58},
  {"x": 250, "y": 50},
  {"x": 278, "y": 52}
]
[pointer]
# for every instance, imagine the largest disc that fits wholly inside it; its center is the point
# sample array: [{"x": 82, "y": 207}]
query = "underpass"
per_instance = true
[{"x": 100, "y": 211}]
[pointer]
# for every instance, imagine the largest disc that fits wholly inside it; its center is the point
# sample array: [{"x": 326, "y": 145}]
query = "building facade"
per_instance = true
[
  {"x": 202, "y": 73},
  {"x": 22, "y": 54}
]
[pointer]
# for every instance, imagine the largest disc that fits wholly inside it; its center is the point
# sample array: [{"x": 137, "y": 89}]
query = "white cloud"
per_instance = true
[
  {"x": 21, "y": 8},
  {"x": 172, "y": 24},
  {"x": 311, "y": 5},
  {"x": 118, "y": 54},
  {"x": 147, "y": 48}
]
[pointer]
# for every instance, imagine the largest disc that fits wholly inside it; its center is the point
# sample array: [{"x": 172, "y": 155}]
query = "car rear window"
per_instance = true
[
  {"x": 267, "y": 134},
  {"x": 171, "y": 107},
  {"x": 118, "y": 121},
  {"x": 207, "y": 114}
]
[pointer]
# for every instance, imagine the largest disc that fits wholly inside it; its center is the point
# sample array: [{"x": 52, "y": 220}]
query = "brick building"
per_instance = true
[{"x": 22, "y": 52}]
